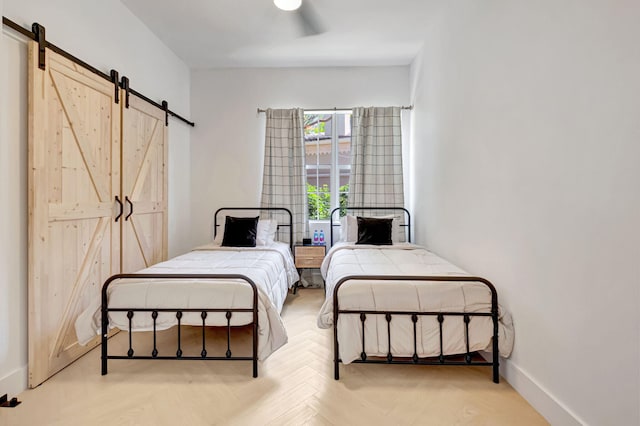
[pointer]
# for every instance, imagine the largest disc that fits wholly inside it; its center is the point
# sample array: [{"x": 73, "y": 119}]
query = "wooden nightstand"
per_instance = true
[{"x": 308, "y": 257}]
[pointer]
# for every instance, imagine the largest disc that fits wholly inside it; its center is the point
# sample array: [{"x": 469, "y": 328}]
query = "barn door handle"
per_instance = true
[
  {"x": 126, "y": 198},
  {"x": 121, "y": 208}
]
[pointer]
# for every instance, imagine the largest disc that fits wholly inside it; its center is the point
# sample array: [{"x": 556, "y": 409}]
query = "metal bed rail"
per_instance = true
[
  {"x": 442, "y": 359},
  {"x": 105, "y": 309}
]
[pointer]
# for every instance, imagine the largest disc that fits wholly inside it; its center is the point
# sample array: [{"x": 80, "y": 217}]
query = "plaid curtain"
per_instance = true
[
  {"x": 376, "y": 158},
  {"x": 283, "y": 181}
]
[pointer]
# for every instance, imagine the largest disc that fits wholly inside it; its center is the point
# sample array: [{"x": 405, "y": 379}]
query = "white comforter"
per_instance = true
[
  {"x": 270, "y": 267},
  {"x": 406, "y": 259}
]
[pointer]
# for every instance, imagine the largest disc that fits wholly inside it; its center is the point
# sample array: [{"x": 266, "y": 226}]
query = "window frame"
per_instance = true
[{"x": 334, "y": 168}]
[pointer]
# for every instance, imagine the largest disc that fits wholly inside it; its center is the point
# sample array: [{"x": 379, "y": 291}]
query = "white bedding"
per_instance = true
[
  {"x": 270, "y": 267},
  {"x": 406, "y": 259}
]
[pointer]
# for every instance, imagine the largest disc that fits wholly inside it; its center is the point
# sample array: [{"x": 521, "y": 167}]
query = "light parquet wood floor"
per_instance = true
[{"x": 295, "y": 387}]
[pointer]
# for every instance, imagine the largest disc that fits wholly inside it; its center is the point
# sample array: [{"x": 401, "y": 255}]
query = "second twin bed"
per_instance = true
[{"x": 397, "y": 303}]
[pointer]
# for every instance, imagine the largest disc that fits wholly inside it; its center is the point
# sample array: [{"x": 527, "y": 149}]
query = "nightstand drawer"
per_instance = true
[
  {"x": 310, "y": 251},
  {"x": 308, "y": 262},
  {"x": 309, "y": 256}
]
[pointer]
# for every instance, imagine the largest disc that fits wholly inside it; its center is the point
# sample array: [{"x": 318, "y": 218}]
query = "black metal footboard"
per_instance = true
[
  {"x": 179, "y": 313},
  {"x": 442, "y": 359}
]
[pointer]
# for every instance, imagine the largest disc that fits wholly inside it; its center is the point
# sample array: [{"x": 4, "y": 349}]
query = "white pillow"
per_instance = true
[
  {"x": 352, "y": 228},
  {"x": 344, "y": 230},
  {"x": 349, "y": 228},
  {"x": 219, "y": 235},
  {"x": 265, "y": 233}
]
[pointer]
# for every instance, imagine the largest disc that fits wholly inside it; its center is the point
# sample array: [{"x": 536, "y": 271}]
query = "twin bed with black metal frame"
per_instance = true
[
  {"x": 245, "y": 292},
  {"x": 391, "y": 301}
]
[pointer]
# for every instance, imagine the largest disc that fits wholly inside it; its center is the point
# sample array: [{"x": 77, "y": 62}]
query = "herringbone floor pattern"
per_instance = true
[{"x": 295, "y": 387}]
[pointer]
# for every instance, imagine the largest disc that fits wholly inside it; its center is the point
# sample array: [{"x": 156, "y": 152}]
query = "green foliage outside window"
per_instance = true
[
  {"x": 319, "y": 201},
  {"x": 314, "y": 125}
]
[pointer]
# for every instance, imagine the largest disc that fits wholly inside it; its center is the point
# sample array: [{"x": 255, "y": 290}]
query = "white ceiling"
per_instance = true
[{"x": 254, "y": 33}]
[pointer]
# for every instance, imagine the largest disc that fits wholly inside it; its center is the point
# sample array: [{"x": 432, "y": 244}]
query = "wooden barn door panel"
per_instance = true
[
  {"x": 144, "y": 184},
  {"x": 74, "y": 176}
]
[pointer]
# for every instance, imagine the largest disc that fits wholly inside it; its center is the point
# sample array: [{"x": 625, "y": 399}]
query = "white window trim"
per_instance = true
[{"x": 335, "y": 168}]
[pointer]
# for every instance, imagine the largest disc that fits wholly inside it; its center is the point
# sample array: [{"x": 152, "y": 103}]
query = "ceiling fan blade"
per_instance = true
[{"x": 309, "y": 20}]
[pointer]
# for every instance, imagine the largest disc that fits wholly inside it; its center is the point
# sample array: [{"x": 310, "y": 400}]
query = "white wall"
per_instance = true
[
  {"x": 106, "y": 35},
  {"x": 228, "y": 143},
  {"x": 526, "y": 127}
]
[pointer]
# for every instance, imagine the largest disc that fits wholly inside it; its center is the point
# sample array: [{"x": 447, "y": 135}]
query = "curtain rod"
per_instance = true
[
  {"x": 38, "y": 34},
  {"x": 333, "y": 109}
]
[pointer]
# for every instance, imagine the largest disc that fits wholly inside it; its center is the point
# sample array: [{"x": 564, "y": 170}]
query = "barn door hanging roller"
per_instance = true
[
  {"x": 38, "y": 34},
  {"x": 116, "y": 83}
]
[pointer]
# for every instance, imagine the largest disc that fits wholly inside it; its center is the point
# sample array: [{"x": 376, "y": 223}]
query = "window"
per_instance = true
[{"x": 327, "y": 136}]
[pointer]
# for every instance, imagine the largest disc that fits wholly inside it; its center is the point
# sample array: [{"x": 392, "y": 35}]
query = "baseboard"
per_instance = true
[
  {"x": 541, "y": 399},
  {"x": 14, "y": 382}
]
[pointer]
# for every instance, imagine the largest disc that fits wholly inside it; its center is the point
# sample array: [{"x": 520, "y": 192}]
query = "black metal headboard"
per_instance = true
[
  {"x": 406, "y": 225},
  {"x": 285, "y": 224}
]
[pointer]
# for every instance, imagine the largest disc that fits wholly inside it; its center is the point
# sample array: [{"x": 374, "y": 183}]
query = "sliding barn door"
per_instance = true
[
  {"x": 144, "y": 185},
  {"x": 74, "y": 177}
]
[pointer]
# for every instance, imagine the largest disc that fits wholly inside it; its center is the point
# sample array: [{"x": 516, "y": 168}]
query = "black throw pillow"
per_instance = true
[
  {"x": 374, "y": 231},
  {"x": 240, "y": 231}
]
